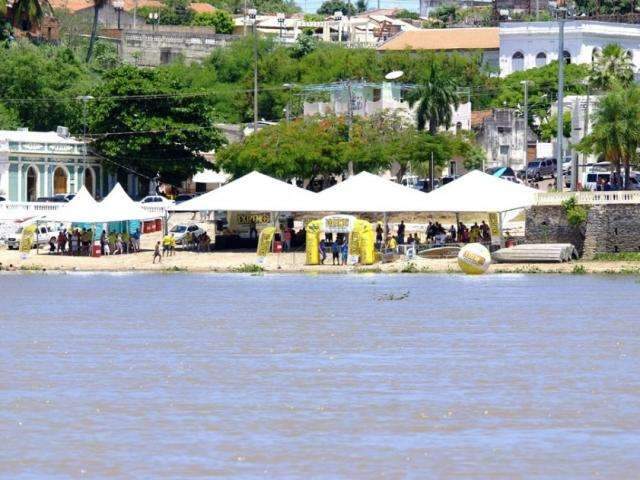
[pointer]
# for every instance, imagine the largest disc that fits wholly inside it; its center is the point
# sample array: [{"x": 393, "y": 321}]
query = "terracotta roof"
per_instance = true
[
  {"x": 78, "y": 5},
  {"x": 478, "y": 117},
  {"x": 202, "y": 7},
  {"x": 445, "y": 39}
]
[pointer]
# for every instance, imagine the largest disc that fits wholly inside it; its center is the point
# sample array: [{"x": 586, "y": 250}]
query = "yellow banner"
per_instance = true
[
  {"x": 26, "y": 242},
  {"x": 495, "y": 228},
  {"x": 264, "y": 243}
]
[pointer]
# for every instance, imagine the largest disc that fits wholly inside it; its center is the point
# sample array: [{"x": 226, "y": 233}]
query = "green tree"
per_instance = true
[
  {"x": 330, "y": 7},
  {"x": 612, "y": 66},
  {"x": 220, "y": 20},
  {"x": 407, "y": 14},
  {"x": 142, "y": 123},
  {"x": 305, "y": 44},
  {"x": 97, "y": 5},
  {"x": 549, "y": 127},
  {"x": 26, "y": 13},
  {"x": 446, "y": 13},
  {"x": 434, "y": 96},
  {"x": 362, "y": 5},
  {"x": 8, "y": 118}
]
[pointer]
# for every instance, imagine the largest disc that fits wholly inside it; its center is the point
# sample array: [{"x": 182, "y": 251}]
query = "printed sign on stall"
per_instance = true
[{"x": 338, "y": 223}]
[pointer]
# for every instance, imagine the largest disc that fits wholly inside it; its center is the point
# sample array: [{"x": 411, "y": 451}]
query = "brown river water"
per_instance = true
[{"x": 329, "y": 376}]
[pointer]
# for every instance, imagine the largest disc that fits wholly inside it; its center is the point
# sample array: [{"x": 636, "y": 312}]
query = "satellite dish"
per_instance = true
[{"x": 394, "y": 75}]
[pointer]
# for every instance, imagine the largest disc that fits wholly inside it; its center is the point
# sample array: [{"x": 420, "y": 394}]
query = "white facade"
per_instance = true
[
  {"x": 369, "y": 99},
  {"x": 525, "y": 45},
  {"x": 42, "y": 164}
]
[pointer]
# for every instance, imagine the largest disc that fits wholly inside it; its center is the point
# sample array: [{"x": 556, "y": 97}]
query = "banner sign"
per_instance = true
[
  {"x": 338, "y": 223},
  {"x": 26, "y": 242},
  {"x": 248, "y": 218},
  {"x": 264, "y": 242},
  {"x": 495, "y": 228}
]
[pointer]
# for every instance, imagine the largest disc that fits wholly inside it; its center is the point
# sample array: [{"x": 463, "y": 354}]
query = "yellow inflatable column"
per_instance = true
[
  {"x": 313, "y": 242},
  {"x": 367, "y": 244}
]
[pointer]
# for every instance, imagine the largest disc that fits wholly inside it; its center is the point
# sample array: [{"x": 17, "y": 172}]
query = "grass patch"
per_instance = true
[
  {"x": 579, "y": 270},
  {"x": 175, "y": 268},
  {"x": 368, "y": 270},
  {"x": 617, "y": 257},
  {"x": 248, "y": 268},
  {"x": 31, "y": 268}
]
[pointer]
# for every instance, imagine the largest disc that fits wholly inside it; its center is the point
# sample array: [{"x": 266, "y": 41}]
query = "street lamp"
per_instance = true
[
  {"x": 526, "y": 125},
  {"x": 337, "y": 16},
  {"x": 253, "y": 13},
  {"x": 153, "y": 18},
  {"x": 84, "y": 99},
  {"x": 281, "y": 19},
  {"x": 118, "y": 6},
  {"x": 561, "y": 12}
]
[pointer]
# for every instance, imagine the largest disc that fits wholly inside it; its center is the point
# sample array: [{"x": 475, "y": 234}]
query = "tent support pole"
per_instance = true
[{"x": 457, "y": 226}]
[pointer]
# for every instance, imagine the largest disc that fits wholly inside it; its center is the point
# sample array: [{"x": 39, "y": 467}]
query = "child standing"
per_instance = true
[{"x": 156, "y": 253}]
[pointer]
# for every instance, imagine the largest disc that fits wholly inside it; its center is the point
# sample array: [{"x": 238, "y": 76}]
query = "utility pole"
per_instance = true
[
  {"x": 431, "y": 173},
  {"x": 575, "y": 169},
  {"x": 244, "y": 19},
  {"x": 537, "y": 10},
  {"x": 350, "y": 120},
  {"x": 560, "y": 137},
  {"x": 525, "y": 159},
  {"x": 84, "y": 99},
  {"x": 253, "y": 14}
]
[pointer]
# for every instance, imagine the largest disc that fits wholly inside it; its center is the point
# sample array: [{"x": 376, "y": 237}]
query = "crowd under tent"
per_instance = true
[
  {"x": 366, "y": 192},
  {"x": 254, "y": 192}
]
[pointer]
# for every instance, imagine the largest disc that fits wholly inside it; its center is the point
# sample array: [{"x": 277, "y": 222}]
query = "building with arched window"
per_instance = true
[
  {"x": 42, "y": 164},
  {"x": 525, "y": 45}
]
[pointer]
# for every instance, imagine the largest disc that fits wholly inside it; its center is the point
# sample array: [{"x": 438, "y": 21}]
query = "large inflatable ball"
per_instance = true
[{"x": 474, "y": 259}]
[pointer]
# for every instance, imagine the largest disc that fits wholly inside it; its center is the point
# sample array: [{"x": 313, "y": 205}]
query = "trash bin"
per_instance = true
[{"x": 96, "y": 251}]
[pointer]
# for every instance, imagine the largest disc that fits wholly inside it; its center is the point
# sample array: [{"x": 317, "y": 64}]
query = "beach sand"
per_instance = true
[{"x": 285, "y": 262}]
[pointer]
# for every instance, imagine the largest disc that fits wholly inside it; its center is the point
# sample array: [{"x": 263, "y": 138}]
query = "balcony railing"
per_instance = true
[{"x": 588, "y": 198}]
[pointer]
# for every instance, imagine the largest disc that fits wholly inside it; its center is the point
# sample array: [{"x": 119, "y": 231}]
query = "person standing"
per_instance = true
[
  {"x": 287, "y": 239},
  {"x": 135, "y": 240},
  {"x": 379, "y": 233},
  {"x": 345, "y": 252},
  {"x": 103, "y": 241},
  {"x": 401, "y": 228},
  {"x": 322, "y": 248},
  {"x": 156, "y": 253},
  {"x": 335, "y": 253},
  {"x": 166, "y": 245}
]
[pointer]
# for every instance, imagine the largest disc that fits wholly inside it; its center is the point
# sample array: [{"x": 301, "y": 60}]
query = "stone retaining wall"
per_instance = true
[{"x": 609, "y": 228}]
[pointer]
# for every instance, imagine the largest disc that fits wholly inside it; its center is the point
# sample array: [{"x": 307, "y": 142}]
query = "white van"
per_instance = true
[
  {"x": 593, "y": 179},
  {"x": 42, "y": 237}
]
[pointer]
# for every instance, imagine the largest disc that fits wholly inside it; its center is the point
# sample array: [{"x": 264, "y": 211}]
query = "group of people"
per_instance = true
[
  {"x": 72, "y": 242},
  {"x": 199, "y": 243},
  {"x": 339, "y": 251},
  {"x": 119, "y": 243}
]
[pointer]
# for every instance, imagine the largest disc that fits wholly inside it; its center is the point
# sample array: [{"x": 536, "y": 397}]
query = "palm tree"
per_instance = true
[
  {"x": 612, "y": 66},
  {"x": 435, "y": 96},
  {"x": 616, "y": 131},
  {"x": 24, "y": 13},
  {"x": 97, "y": 5}
]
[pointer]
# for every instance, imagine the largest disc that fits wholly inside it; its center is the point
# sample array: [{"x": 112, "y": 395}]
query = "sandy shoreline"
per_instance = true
[{"x": 187, "y": 261}]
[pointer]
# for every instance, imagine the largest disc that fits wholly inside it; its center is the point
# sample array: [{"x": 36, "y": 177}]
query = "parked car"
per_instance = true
[
  {"x": 156, "y": 201},
  {"x": 180, "y": 230},
  {"x": 593, "y": 179},
  {"x": 183, "y": 197},
  {"x": 542, "y": 168},
  {"x": 2, "y": 199},
  {"x": 42, "y": 236},
  {"x": 63, "y": 197}
]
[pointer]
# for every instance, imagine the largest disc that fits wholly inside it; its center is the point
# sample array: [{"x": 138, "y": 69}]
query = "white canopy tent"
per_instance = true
[
  {"x": 366, "y": 192},
  {"x": 118, "y": 207},
  {"x": 81, "y": 209},
  {"x": 253, "y": 192},
  {"x": 209, "y": 176},
  {"x": 478, "y": 192}
]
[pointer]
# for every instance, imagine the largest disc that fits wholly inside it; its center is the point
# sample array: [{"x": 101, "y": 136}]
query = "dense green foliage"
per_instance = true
[
  {"x": 407, "y": 14},
  {"x": 220, "y": 20},
  {"x": 434, "y": 96},
  {"x": 329, "y": 7},
  {"x": 145, "y": 123}
]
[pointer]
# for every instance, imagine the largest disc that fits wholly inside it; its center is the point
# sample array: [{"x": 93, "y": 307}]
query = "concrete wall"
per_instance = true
[
  {"x": 150, "y": 48},
  {"x": 610, "y": 228}
]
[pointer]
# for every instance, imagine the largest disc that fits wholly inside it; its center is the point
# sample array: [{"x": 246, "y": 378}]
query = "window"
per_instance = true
[
  {"x": 165, "y": 56},
  {"x": 517, "y": 62},
  {"x": 541, "y": 59},
  {"x": 504, "y": 149},
  {"x": 60, "y": 181},
  {"x": 567, "y": 57}
]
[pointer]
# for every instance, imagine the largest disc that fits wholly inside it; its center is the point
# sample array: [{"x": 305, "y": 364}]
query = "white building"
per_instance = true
[
  {"x": 525, "y": 45},
  {"x": 42, "y": 164},
  {"x": 368, "y": 99}
]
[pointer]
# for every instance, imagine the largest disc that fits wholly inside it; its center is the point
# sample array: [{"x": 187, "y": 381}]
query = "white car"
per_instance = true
[
  {"x": 156, "y": 201},
  {"x": 180, "y": 230},
  {"x": 42, "y": 236}
]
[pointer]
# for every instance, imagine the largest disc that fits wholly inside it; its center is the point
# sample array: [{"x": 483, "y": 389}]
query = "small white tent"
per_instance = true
[
  {"x": 253, "y": 192},
  {"x": 81, "y": 209},
  {"x": 118, "y": 207},
  {"x": 366, "y": 192},
  {"x": 478, "y": 192}
]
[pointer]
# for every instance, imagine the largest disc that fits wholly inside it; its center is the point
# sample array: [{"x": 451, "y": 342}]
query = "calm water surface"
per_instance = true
[{"x": 183, "y": 376}]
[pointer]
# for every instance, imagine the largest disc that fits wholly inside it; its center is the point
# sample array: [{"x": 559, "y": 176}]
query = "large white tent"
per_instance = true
[
  {"x": 366, "y": 192},
  {"x": 478, "y": 192},
  {"x": 118, "y": 207},
  {"x": 81, "y": 209},
  {"x": 253, "y": 192}
]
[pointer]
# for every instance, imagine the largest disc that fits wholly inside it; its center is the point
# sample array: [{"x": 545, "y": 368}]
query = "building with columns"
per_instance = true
[
  {"x": 42, "y": 164},
  {"x": 525, "y": 45}
]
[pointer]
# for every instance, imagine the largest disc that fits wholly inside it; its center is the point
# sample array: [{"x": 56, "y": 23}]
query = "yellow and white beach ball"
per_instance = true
[{"x": 474, "y": 259}]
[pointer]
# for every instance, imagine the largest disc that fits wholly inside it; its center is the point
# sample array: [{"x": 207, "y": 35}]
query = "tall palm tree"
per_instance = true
[
  {"x": 25, "y": 13},
  {"x": 612, "y": 66},
  {"x": 435, "y": 96},
  {"x": 97, "y": 5},
  {"x": 616, "y": 130}
]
